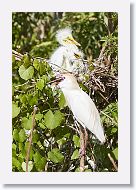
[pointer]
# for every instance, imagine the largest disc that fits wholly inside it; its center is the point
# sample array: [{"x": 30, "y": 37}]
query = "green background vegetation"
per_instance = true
[{"x": 55, "y": 144}]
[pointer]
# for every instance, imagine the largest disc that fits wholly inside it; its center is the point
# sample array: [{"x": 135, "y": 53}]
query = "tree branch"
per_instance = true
[
  {"x": 30, "y": 138},
  {"x": 113, "y": 162}
]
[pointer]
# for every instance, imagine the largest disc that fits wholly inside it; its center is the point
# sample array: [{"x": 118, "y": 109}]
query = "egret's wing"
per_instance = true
[{"x": 86, "y": 112}]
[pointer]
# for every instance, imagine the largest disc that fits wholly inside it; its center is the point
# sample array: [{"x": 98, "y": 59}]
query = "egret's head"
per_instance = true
[
  {"x": 67, "y": 81},
  {"x": 64, "y": 37}
]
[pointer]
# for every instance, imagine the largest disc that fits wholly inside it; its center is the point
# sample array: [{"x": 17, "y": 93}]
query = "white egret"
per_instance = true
[
  {"x": 81, "y": 105},
  {"x": 67, "y": 56}
]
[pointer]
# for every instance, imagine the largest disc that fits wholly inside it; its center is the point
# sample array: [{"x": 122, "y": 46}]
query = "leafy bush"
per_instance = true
[{"x": 55, "y": 144}]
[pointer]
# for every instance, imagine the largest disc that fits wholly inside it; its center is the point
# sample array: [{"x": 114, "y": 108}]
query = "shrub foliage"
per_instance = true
[{"x": 55, "y": 144}]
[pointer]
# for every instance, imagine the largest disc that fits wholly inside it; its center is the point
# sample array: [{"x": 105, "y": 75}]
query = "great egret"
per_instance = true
[
  {"x": 82, "y": 106},
  {"x": 67, "y": 56}
]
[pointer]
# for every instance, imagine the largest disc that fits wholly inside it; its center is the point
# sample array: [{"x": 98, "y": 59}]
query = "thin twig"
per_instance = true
[
  {"x": 77, "y": 131},
  {"x": 109, "y": 117},
  {"x": 30, "y": 137},
  {"x": 103, "y": 97},
  {"x": 113, "y": 162}
]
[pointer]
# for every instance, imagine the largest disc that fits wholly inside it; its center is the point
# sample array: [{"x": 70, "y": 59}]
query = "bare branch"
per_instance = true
[
  {"x": 113, "y": 162},
  {"x": 30, "y": 138}
]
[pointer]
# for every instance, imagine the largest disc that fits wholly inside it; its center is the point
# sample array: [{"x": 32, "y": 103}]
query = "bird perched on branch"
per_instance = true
[
  {"x": 67, "y": 56},
  {"x": 82, "y": 106}
]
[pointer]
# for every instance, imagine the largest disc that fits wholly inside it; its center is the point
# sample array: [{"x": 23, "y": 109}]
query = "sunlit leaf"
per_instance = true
[
  {"x": 53, "y": 120},
  {"x": 26, "y": 73},
  {"x": 15, "y": 135},
  {"x": 76, "y": 141},
  {"x": 16, "y": 163},
  {"x": 15, "y": 110},
  {"x": 27, "y": 123},
  {"x": 75, "y": 155},
  {"x": 55, "y": 156},
  {"x": 39, "y": 161},
  {"x": 30, "y": 166},
  {"x": 62, "y": 101},
  {"x": 40, "y": 84},
  {"x": 115, "y": 152},
  {"x": 22, "y": 135}
]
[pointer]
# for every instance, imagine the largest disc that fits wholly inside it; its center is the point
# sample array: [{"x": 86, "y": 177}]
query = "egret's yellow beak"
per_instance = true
[{"x": 71, "y": 40}]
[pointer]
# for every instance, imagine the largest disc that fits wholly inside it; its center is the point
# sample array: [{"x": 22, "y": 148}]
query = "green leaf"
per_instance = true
[
  {"x": 14, "y": 146},
  {"x": 26, "y": 60},
  {"x": 32, "y": 99},
  {"x": 36, "y": 64},
  {"x": 15, "y": 135},
  {"x": 75, "y": 155},
  {"x": 15, "y": 110},
  {"x": 53, "y": 120},
  {"x": 42, "y": 125},
  {"x": 16, "y": 163},
  {"x": 76, "y": 141},
  {"x": 61, "y": 141},
  {"x": 62, "y": 101},
  {"x": 23, "y": 99},
  {"x": 77, "y": 170},
  {"x": 27, "y": 123},
  {"x": 114, "y": 130},
  {"x": 21, "y": 146},
  {"x": 35, "y": 137},
  {"x": 38, "y": 116},
  {"x": 88, "y": 170},
  {"x": 49, "y": 120},
  {"x": 26, "y": 73},
  {"x": 59, "y": 117},
  {"x": 115, "y": 152},
  {"x": 22, "y": 135},
  {"x": 39, "y": 161},
  {"x": 40, "y": 84},
  {"x": 30, "y": 166},
  {"x": 42, "y": 68},
  {"x": 55, "y": 156}
]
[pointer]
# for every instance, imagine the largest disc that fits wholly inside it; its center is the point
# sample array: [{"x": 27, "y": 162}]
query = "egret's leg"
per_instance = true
[
  {"x": 82, "y": 143},
  {"x": 82, "y": 151},
  {"x": 86, "y": 137}
]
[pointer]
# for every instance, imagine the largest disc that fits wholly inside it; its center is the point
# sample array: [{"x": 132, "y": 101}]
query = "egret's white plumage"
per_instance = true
[
  {"x": 82, "y": 106},
  {"x": 67, "y": 56}
]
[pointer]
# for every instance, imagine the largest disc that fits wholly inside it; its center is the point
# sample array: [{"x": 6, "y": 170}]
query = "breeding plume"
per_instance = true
[
  {"x": 67, "y": 56},
  {"x": 82, "y": 106}
]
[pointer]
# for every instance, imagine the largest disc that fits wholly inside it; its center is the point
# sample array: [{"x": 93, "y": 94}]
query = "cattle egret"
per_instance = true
[
  {"x": 67, "y": 56},
  {"x": 82, "y": 106}
]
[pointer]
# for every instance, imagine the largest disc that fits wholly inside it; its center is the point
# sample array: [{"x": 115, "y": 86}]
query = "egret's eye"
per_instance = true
[{"x": 77, "y": 55}]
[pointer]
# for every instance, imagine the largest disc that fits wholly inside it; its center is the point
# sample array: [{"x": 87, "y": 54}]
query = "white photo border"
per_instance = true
[{"x": 6, "y": 174}]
